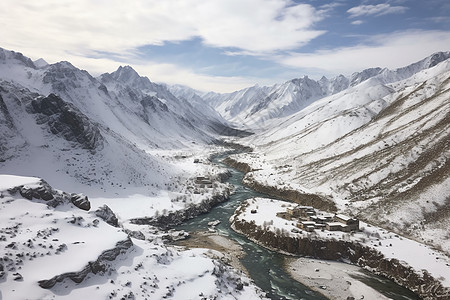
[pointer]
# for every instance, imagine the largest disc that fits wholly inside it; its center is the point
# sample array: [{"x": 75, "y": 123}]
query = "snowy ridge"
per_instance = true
[
  {"x": 379, "y": 150},
  {"x": 132, "y": 116},
  {"x": 126, "y": 142},
  {"x": 262, "y": 107}
]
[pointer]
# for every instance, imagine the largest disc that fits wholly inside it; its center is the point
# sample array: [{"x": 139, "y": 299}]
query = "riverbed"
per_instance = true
[{"x": 268, "y": 269}]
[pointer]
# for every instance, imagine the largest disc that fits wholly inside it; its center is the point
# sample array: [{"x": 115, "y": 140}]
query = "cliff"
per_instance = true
[{"x": 421, "y": 283}]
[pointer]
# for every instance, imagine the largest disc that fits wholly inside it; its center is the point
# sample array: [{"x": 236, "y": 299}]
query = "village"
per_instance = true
[{"x": 308, "y": 219}]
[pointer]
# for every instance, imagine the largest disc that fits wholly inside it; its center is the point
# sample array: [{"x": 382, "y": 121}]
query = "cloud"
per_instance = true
[
  {"x": 387, "y": 50},
  {"x": 98, "y": 35},
  {"x": 375, "y": 10},
  {"x": 357, "y": 22},
  {"x": 120, "y": 26}
]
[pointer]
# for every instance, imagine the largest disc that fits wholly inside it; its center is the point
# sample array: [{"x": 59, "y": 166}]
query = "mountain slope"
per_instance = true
[
  {"x": 113, "y": 121},
  {"x": 262, "y": 107},
  {"x": 380, "y": 151}
]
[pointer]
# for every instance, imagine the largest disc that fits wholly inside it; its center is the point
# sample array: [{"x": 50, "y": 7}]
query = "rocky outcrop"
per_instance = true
[
  {"x": 81, "y": 201},
  {"x": 64, "y": 119},
  {"x": 107, "y": 215},
  {"x": 423, "y": 284},
  {"x": 314, "y": 200},
  {"x": 43, "y": 191},
  {"x": 2, "y": 271},
  {"x": 240, "y": 166},
  {"x": 100, "y": 265},
  {"x": 177, "y": 217}
]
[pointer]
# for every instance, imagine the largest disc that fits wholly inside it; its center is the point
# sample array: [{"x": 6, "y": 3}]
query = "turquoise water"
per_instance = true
[{"x": 266, "y": 267}]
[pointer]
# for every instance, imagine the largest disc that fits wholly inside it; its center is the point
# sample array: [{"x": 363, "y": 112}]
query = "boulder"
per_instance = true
[
  {"x": 81, "y": 201},
  {"x": 107, "y": 215}
]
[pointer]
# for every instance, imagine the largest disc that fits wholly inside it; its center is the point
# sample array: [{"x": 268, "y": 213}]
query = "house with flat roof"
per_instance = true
[{"x": 351, "y": 224}]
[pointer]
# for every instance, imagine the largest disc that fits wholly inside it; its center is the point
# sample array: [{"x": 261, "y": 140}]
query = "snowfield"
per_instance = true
[{"x": 40, "y": 242}]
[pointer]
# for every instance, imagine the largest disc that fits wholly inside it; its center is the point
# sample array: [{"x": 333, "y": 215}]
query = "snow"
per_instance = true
[
  {"x": 333, "y": 279},
  {"x": 362, "y": 146},
  {"x": 9, "y": 181},
  {"x": 417, "y": 255},
  {"x": 336, "y": 137},
  {"x": 39, "y": 242}
]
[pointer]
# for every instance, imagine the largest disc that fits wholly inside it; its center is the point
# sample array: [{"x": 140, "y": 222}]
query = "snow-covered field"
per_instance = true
[
  {"x": 333, "y": 279},
  {"x": 39, "y": 242},
  {"x": 409, "y": 252}
]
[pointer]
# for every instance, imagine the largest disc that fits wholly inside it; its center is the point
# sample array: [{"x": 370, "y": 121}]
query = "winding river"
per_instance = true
[{"x": 264, "y": 266}]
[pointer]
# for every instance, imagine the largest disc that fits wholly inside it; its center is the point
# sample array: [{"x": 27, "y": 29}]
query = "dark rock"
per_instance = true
[
  {"x": 98, "y": 266},
  {"x": 2, "y": 271},
  {"x": 64, "y": 119},
  {"x": 107, "y": 215},
  {"x": 18, "y": 277},
  {"x": 42, "y": 191},
  {"x": 53, "y": 198},
  {"x": 135, "y": 234},
  {"x": 81, "y": 201}
]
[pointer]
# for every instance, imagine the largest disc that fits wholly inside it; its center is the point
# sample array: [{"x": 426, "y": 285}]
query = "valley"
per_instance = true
[{"x": 108, "y": 172}]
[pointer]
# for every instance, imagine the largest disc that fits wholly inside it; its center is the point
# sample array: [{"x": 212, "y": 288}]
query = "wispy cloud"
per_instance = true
[
  {"x": 375, "y": 10},
  {"x": 388, "y": 50},
  {"x": 98, "y": 34},
  {"x": 121, "y": 26},
  {"x": 357, "y": 22}
]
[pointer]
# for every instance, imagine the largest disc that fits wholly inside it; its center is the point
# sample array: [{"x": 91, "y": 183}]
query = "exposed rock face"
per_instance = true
[
  {"x": 43, "y": 191},
  {"x": 2, "y": 271},
  {"x": 317, "y": 201},
  {"x": 243, "y": 167},
  {"x": 81, "y": 201},
  {"x": 177, "y": 217},
  {"x": 423, "y": 284},
  {"x": 53, "y": 198},
  {"x": 99, "y": 266},
  {"x": 107, "y": 215},
  {"x": 67, "y": 121}
]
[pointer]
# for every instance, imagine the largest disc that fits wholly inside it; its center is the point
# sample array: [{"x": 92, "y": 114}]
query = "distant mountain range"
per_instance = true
[
  {"x": 379, "y": 148},
  {"x": 376, "y": 143},
  {"x": 257, "y": 106}
]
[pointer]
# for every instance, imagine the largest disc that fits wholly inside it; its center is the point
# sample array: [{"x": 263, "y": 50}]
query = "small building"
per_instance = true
[
  {"x": 309, "y": 228},
  {"x": 300, "y": 211},
  {"x": 334, "y": 226},
  {"x": 320, "y": 226},
  {"x": 352, "y": 224},
  {"x": 323, "y": 219},
  {"x": 305, "y": 224}
]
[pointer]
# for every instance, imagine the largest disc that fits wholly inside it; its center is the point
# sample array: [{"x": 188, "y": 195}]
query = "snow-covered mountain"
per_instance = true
[
  {"x": 378, "y": 149},
  {"x": 125, "y": 142},
  {"x": 260, "y": 107},
  {"x": 375, "y": 144},
  {"x": 110, "y": 124},
  {"x": 54, "y": 248}
]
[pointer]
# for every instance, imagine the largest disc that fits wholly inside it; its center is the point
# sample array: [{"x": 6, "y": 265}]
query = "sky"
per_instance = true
[{"x": 226, "y": 45}]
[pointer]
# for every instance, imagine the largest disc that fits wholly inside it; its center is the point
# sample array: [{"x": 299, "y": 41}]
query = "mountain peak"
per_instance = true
[
  {"x": 127, "y": 75},
  {"x": 40, "y": 63},
  {"x": 7, "y": 55}
]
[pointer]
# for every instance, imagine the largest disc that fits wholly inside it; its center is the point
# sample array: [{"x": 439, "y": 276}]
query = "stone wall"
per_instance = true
[{"x": 421, "y": 283}]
